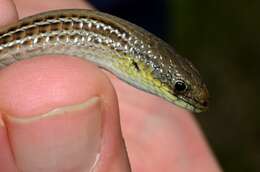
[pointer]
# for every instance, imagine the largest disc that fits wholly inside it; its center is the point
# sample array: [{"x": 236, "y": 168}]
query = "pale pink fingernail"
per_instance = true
[{"x": 65, "y": 139}]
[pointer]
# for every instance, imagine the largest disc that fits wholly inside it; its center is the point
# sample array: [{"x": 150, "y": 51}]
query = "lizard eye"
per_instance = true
[{"x": 180, "y": 86}]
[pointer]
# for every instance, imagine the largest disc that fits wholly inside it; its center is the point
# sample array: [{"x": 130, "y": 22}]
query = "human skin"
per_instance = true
[{"x": 158, "y": 135}]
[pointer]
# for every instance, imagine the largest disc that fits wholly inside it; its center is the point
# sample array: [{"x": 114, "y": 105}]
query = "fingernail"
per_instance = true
[{"x": 64, "y": 139}]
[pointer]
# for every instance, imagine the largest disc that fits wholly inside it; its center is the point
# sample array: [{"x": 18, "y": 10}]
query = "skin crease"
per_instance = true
[{"x": 159, "y": 136}]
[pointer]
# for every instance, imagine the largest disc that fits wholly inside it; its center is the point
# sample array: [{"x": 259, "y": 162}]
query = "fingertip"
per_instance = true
[
  {"x": 41, "y": 85},
  {"x": 8, "y": 12}
]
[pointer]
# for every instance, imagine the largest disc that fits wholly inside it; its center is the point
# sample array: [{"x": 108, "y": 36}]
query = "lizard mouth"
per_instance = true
[{"x": 192, "y": 104}]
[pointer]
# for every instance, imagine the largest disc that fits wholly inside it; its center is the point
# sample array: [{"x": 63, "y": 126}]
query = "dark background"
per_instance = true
[{"x": 222, "y": 38}]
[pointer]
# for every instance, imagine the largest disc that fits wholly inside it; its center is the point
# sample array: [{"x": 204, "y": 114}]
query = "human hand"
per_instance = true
[{"x": 158, "y": 135}]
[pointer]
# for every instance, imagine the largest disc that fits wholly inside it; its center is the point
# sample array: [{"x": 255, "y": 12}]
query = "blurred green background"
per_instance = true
[{"x": 222, "y": 38}]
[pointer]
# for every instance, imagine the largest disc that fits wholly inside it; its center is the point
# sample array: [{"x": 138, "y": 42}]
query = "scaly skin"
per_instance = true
[{"x": 128, "y": 51}]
